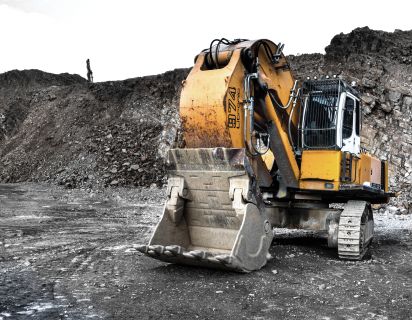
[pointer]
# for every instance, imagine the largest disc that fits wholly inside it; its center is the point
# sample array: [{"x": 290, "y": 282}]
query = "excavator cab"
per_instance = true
[{"x": 331, "y": 116}]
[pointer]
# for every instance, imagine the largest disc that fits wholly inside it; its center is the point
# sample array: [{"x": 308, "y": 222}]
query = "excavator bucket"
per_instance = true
[{"x": 212, "y": 217}]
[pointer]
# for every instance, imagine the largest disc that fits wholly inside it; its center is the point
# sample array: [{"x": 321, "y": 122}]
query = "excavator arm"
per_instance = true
[
  {"x": 241, "y": 96},
  {"x": 215, "y": 215}
]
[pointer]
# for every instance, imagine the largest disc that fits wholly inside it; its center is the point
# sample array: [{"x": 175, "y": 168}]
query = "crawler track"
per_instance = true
[{"x": 355, "y": 230}]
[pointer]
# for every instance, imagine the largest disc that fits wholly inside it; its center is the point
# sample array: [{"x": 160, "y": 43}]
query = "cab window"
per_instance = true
[
  {"x": 358, "y": 118},
  {"x": 348, "y": 118}
]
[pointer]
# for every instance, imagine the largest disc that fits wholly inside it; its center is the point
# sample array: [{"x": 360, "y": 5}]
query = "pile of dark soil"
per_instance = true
[{"x": 60, "y": 129}]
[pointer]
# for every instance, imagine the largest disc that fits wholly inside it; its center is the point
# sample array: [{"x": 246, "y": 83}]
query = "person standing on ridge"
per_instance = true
[{"x": 89, "y": 71}]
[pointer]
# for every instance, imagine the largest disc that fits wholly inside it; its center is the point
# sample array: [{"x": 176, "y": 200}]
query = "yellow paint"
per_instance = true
[
  {"x": 318, "y": 185},
  {"x": 386, "y": 176},
  {"x": 369, "y": 169},
  {"x": 321, "y": 165},
  {"x": 355, "y": 171},
  {"x": 211, "y": 102},
  {"x": 202, "y": 107},
  {"x": 386, "y": 164}
]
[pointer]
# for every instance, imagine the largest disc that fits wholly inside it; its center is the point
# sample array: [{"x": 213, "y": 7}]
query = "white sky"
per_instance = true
[{"x": 127, "y": 38}]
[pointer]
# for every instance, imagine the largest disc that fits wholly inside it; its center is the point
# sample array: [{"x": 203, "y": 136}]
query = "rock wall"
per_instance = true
[{"x": 60, "y": 129}]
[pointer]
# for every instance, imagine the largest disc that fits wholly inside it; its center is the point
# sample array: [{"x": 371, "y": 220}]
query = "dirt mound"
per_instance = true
[
  {"x": 16, "y": 89},
  {"x": 396, "y": 46},
  {"x": 59, "y": 128},
  {"x": 16, "y": 79}
]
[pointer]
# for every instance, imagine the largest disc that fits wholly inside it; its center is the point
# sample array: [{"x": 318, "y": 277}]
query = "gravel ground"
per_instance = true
[{"x": 67, "y": 254}]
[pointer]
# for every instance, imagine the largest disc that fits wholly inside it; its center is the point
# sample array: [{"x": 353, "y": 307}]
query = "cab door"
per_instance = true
[{"x": 351, "y": 125}]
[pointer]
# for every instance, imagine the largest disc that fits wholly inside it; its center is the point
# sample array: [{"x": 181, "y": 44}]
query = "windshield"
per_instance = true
[{"x": 320, "y": 117}]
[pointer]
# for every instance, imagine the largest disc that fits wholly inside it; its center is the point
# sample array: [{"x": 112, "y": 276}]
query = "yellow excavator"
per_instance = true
[{"x": 262, "y": 151}]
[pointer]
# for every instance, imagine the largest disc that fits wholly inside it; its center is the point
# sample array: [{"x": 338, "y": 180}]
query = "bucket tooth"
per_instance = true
[
  {"x": 189, "y": 256},
  {"x": 199, "y": 254},
  {"x": 175, "y": 250},
  {"x": 142, "y": 248},
  {"x": 168, "y": 253},
  {"x": 225, "y": 259},
  {"x": 158, "y": 249},
  {"x": 212, "y": 217}
]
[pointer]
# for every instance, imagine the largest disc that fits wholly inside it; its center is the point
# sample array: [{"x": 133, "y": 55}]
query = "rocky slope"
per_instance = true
[{"x": 59, "y": 128}]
